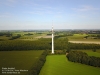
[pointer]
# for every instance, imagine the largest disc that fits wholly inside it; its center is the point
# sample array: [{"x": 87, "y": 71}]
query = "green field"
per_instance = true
[
  {"x": 77, "y": 36},
  {"x": 18, "y": 60},
  {"x": 36, "y": 35},
  {"x": 91, "y": 53},
  {"x": 80, "y": 37},
  {"x": 24, "y": 35},
  {"x": 55, "y": 64},
  {"x": 59, "y": 65}
]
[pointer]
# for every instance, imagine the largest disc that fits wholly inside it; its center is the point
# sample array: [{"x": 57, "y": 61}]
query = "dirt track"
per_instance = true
[{"x": 95, "y": 42}]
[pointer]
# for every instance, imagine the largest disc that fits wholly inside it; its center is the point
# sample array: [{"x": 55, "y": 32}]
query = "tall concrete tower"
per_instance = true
[{"x": 52, "y": 40}]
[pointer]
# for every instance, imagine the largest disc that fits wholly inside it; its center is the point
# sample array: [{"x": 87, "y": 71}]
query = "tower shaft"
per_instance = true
[{"x": 52, "y": 41}]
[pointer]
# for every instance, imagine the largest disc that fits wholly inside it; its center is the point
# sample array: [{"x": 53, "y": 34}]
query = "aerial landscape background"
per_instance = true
[{"x": 49, "y": 37}]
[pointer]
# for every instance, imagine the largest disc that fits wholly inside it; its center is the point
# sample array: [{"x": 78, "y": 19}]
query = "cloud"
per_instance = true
[
  {"x": 86, "y": 11},
  {"x": 84, "y": 8}
]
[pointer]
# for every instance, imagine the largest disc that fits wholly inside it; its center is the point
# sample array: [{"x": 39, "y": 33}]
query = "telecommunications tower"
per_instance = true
[{"x": 52, "y": 40}]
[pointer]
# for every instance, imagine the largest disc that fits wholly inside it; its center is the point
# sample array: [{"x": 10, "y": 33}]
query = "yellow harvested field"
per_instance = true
[{"x": 94, "y": 42}]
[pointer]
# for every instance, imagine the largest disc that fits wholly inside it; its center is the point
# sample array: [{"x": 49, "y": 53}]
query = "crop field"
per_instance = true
[
  {"x": 59, "y": 65},
  {"x": 19, "y": 60}
]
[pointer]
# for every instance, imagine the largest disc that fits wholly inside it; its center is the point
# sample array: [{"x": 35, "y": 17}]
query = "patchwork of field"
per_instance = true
[
  {"x": 55, "y": 64},
  {"x": 80, "y": 38},
  {"x": 33, "y": 37},
  {"x": 19, "y": 60},
  {"x": 59, "y": 65},
  {"x": 28, "y": 36}
]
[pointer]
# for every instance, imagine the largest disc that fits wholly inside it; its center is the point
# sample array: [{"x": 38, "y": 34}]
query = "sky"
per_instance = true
[{"x": 42, "y": 14}]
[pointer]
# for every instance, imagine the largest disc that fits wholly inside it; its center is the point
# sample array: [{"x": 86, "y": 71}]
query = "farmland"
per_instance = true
[
  {"x": 59, "y": 65},
  {"x": 20, "y": 49},
  {"x": 30, "y": 36},
  {"x": 35, "y": 35},
  {"x": 79, "y": 38},
  {"x": 20, "y": 60}
]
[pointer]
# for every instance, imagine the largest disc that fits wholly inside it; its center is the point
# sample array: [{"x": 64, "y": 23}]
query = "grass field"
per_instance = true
[
  {"x": 79, "y": 38},
  {"x": 4, "y": 38},
  {"x": 91, "y": 53},
  {"x": 18, "y": 60},
  {"x": 59, "y": 65}
]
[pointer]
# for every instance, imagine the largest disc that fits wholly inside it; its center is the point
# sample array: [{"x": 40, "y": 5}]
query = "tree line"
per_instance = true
[
  {"x": 60, "y": 43},
  {"x": 15, "y": 37},
  {"x": 95, "y": 36},
  {"x": 40, "y": 44},
  {"x": 84, "y": 46},
  {"x": 7, "y": 34},
  {"x": 35, "y": 70},
  {"x": 82, "y": 57}
]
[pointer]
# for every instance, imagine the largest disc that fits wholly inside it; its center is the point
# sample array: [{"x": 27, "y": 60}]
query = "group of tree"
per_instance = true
[
  {"x": 82, "y": 57},
  {"x": 7, "y": 34},
  {"x": 94, "y": 36},
  {"x": 15, "y": 37},
  {"x": 40, "y": 44},
  {"x": 35, "y": 70},
  {"x": 84, "y": 46},
  {"x": 60, "y": 43}
]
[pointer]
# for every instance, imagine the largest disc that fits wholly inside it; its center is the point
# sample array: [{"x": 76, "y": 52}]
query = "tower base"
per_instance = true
[{"x": 52, "y": 53}]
